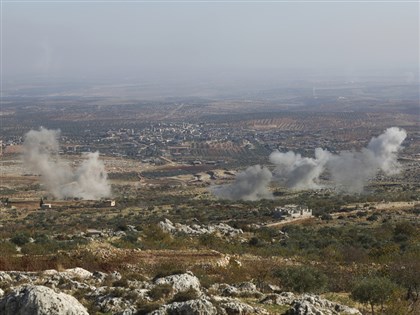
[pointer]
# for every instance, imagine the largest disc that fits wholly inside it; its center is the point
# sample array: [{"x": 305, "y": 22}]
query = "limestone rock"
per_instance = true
[
  {"x": 284, "y": 298},
  {"x": 99, "y": 276},
  {"x": 40, "y": 300},
  {"x": 192, "y": 307},
  {"x": 5, "y": 277},
  {"x": 181, "y": 282},
  {"x": 245, "y": 289},
  {"x": 224, "y": 289},
  {"x": 115, "y": 305},
  {"x": 314, "y": 305},
  {"x": 77, "y": 273},
  {"x": 195, "y": 229},
  {"x": 234, "y": 307},
  {"x": 49, "y": 272},
  {"x": 167, "y": 226}
]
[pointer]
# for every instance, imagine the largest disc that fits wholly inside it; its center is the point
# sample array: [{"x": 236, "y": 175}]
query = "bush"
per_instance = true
[
  {"x": 120, "y": 283},
  {"x": 183, "y": 296},
  {"x": 302, "y": 279},
  {"x": 254, "y": 241},
  {"x": 374, "y": 291},
  {"x": 7, "y": 248},
  {"x": 146, "y": 308},
  {"x": 167, "y": 269},
  {"x": 326, "y": 217},
  {"x": 20, "y": 239},
  {"x": 160, "y": 291}
]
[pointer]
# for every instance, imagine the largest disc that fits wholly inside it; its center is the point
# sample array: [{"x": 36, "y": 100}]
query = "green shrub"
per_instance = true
[
  {"x": 302, "y": 279},
  {"x": 144, "y": 308},
  {"x": 120, "y": 283},
  {"x": 374, "y": 291},
  {"x": 20, "y": 239},
  {"x": 7, "y": 248},
  {"x": 160, "y": 291},
  {"x": 183, "y": 296}
]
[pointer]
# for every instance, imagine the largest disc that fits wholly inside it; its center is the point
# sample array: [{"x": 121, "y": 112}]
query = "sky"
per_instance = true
[{"x": 70, "y": 39}]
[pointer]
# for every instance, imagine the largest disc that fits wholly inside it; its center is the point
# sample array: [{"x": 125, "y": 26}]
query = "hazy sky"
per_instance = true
[{"x": 124, "y": 39}]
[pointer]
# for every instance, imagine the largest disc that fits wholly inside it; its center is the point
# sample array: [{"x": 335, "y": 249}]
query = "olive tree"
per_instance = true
[{"x": 373, "y": 291}]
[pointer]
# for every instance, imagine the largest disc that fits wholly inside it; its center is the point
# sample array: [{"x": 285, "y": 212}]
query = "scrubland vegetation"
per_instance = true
[{"x": 349, "y": 251}]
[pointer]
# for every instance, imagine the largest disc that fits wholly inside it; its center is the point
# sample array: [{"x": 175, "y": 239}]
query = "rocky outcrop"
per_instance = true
[
  {"x": 284, "y": 298},
  {"x": 314, "y": 305},
  {"x": 5, "y": 277},
  {"x": 113, "y": 294},
  {"x": 234, "y": 307},
  {"x": 77, "y": 272},
  {"x": 181, "y": 282},
  {"x": 40, "y": 300},
  {"x": 221, "y": 228},
  {"x": 192, "y": 307},
  {"x": 245, "y": 289}
]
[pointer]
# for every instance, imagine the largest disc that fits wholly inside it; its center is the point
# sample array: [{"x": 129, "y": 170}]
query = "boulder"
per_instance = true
[
  {"x": 224, "y": 289},
  {"x": 314, "y": 305},
  {"x": 167, "y": 226},
  {"x": 39, "y": 300},
  {"x": 192, "y": 307},
  {"x": 234, "y": 307},
  {"x": 115, "y": 305},
  {"x": 77, "y": 273},
  {"x": 99, "y": 276},
  {"x": 245, "y": 289},
  {"x": 284, "y": 298},
  {"x": 248, "y": 289},
  {"x": 115, "y": 275},
  {"x": 181, "y": 282},
  {"x": 49, "y": 272},
  {"x": 5, "y": 277}
]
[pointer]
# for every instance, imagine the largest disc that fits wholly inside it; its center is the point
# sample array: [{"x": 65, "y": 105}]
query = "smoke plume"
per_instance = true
[
  {"x": 297, "y": 172},
  {"x": 349, "y": 170},
  {"x": 87, "y": 181},
  {"x": 251, "y": 184}
]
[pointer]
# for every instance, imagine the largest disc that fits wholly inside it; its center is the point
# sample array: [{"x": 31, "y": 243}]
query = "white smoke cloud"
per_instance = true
[
  {"x": 349, "y": 170},
  {"x": 88, "y": 181},
  {"x": 297, "y": 172},
  {"x": 251, "y": 184}
]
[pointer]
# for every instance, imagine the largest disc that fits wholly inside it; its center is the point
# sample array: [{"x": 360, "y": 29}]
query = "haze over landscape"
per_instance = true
[
  {"x": 209, "y": 157},
  {"x": 220, "y": 43}
]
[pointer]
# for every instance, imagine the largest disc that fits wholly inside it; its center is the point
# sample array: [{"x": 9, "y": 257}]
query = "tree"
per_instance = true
[
  {"x": 406, "y": 272},
  {"x": 373, "y": 291},
  {"x": 302, "y": 279}
]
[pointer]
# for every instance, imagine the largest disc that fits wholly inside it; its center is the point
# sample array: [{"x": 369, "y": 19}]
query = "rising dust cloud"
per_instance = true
[
  {"x": 87, "y": 181},
  {"x": 251, "y": 184},
  {"x": 349, "y": 171}
]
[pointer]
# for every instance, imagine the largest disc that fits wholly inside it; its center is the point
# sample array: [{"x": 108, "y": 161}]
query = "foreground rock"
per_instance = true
[
  {"x": 314, "y": 305},
  {"x": 181, "y": 282},
  {"x": 181, "y": 294},
  {"x": 237, "y": 307},
  {"x": 284, "y": 298},
  {"x": 40, "y": 300},
  {"x": 245, "y": 289},
  {"x": 192, "y": 307}
]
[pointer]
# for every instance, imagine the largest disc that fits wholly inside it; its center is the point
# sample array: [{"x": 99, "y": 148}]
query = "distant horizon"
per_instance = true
[{"x": 222, "y": 42}]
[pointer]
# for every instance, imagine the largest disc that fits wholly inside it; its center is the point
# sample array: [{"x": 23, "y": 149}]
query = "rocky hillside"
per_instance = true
[{"x": 78, "y": 292}]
